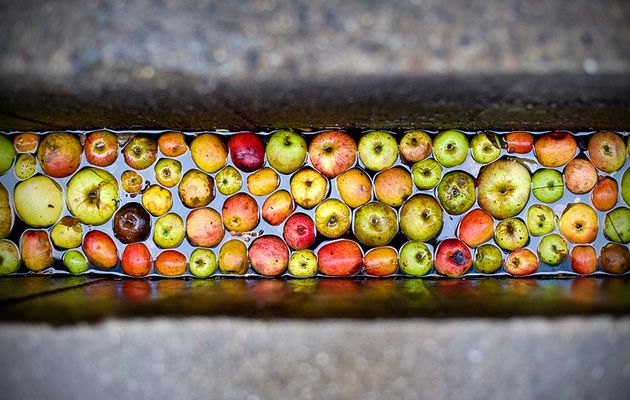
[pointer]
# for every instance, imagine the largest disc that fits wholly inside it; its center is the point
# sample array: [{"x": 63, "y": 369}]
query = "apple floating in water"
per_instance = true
[
  {"x": 10, "y": 260},
  {"x": 170, "y": 263},
  {"x": 36, "y": 250},
  {"x": 555, "y": 149},
  {"x": 521, "y": 262},
  {"x": 59, "y": 154},
  {"x": 426, "y": 174},
  {"x": 503, "y": 188},
  {"x": 354, "y": 187},
  {"x": 6, "y": 213},
  {"x": 380, "y": 261},
  {"x": 511, "y": 234},
  {"x": 25, "y": 166},
  {"x": 614, "y": 258},
  {"x": 136, "y": 260},
  {"x": 299, "y": 231},
  {"x": 393, "y": 186},
  {"x": 204, "y": 227},
  {"x": 340, "y": 258},
  {"x": 278, "y": 207},
  {"x": 547, "y": 185},
  {"x": 552, "y": 249},
  {"x": 233, "y": 257},
  {"x": 584, "y": 259},
  {"x": 172, "y": 144},
  {"x": 617, "y": 225},
  {"x": 332, "y": 218},
  {"x": 247, "y": 151},
  {"x": 209, "y": 152},
  {"x": 140, "y": 152},
  {"x": 286, "y": 151},
  {"x": 415, "y": 146},
  {"x": 421, "y": 218},
  {"x": 540, "y": 220},
  {"x": 488, "y": 259},
  {"x": 332, "y": 152},
  {"x": 203, "y": 263},
  {"x": 607, "y": 151},
  {"x": 75, "y": 262},
  {"x": 375, "y": 224},
  {"x": 100, "y": 250},
  {"x": 604, "y": 196},
  {"x": 303, "y": 264},
  {"x": 450, "y": 148},
  {"x": 378, "y": 150},
  {"x": 579, "y": 223},
  {"x": 92, "y": 196},
  {"x": 415, "y": 259},
  {"x": 38, "y": 201},
  {"x": 132, "y": 223},
  {"x": 101, "y": 148},
  {"x": 67, "y": 233},
  {"x": 229, "y": 181},
  {"x": 485, "y": 147},
  {"x": 24, "y": 142},
  {"x": 169, "y": 231},
  {"x": 308, "y": 187},
  {"x": 269, "y": 255},
  {"x": 196, "y": 189},
  {"x": 452, "y": 258},
  {"x": 456, "y": 192},
  {"x": 240, "y": 213}
]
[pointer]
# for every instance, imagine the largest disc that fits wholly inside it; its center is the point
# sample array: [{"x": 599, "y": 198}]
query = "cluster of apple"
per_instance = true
[{"x": 333, "y": 206}]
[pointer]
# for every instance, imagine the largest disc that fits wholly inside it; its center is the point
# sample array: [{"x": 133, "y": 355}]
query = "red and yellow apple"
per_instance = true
[
  {"x": 269, "y": 255},
  {"x": 579, "y": 223},
  {"x": 240, "y": 213},
  {"x": 555, "y": 149},
  {"x": 170, "y": 263},
  {"x": 332, "y": 152},
  {"x": 340, "y": 258},
  {"x": 475, "y": 228},
  {"x": 136, "y": 260},
  {"x": 100, "y": 250},
  {"x": 59, "y": 154},
  {"x": 278, "y": 207},
  {"x": 204, "y": 227}
]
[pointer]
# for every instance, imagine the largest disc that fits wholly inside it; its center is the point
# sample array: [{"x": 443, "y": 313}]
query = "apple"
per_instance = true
[
  {"x": 393, "y": 186},
  {"x": 131, "y": 181},
  {"x": 415, "y": 146},
  {"x": 7, "y": 154},
  {"x": 240, "y": 213},
  {"x": 452, "y": 258},
  {"x": 67, "y": 234},
  {"x": 263, "y": 182},
  {"x": 584, "y": 259},
  {"x": 375, "y": 224},
  {"x": 354, "y": 187},
  {"x": 614, "y": 258},
  {"x": 169, "y": 231},
  {"x": 332, "y": 218},
  {"x": 579, "y": 223},
  {"x": 140, "y": 152},
  {"x": 171, "y": 263},
  {"x": 340, "y": 258},
  {"x": 519, "y": 142},
  {"x": 303, "y": 264},
  {"x": 168, "y": 172},
  {"x": 607, "y": 151},
  {"x": 247, "y": 151},
  {"x": 132, "y": 223},
  {"x": 378, "y": 150},
  {"x": 475, "y": 228},
  {"x": 456, "y": 192},
  {"x": 208, "y": 152},
  {"x": 92, "y": 195},
  {"x": 332, "y": 152},
  {"x": 511, "y": 234},
  {"x": 604, "y": 195},
  {"x": 278, "y": 207},
  {"x": 204, "y": 227},
  {"x": 299, "y": 231},
  {"x": 421, "y": 218},
  {"x": 426, "y": 174},
  {"x": 617, "y": 225},
  {"x": 286, "y": 151},
  {"x": 233, "y": 257},
  {"x": 203, "y": 263},
  {"x": 540, "y": 219},
  {"x": 555, "y": 149},
  {"x": 269, "y": 255},
  {"x": 24, "y": 143},
  {"x": 101, "y": 148},
  {"x": 380, "y": 261},
  {"x": 6, "y": 213},
  {"x": 157, "y": 200},
  {"x": 308, "y": 187},
  {"x": 25, "y": 166},
  {"x": 172, "y": 144},
  {"x": 10, "y": 260},
  {"x": 450, "y": 148},
  {"x": 36, "y": 250},
  {"x": 59, "y": 154},
  {"x": 547, "y": 185},
  {"x": 229, "y": 181},
  {"x": 196, "y": 189},
  {"x": 415, "y": 259},
  {"x": 136, "y": 260},
  {"x": 75, "y": 262},
  {"x": 503, "y": 188},
  {"x": 580, "y": 176},
  {"x": 488, "y": 259},
  {"x": 625, "y": 186},
  {"x": 521, "y": 262},
  {"x": 100, "y": 250},
  {"x": 552, "y": 249},
  {"x": 485, "y": 147},
  {"x": 38, "y": 201}
]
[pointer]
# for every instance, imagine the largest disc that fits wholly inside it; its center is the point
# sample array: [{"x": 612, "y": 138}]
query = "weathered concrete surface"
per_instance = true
[{"x": 570, "y": 358}]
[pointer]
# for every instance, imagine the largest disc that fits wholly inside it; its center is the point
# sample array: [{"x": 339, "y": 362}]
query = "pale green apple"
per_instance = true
[
  {"x": 92, "y": 195},
  {"x": 7, "y": 153},
  {"x": 67, "y": 233},
  {"x": 10, "y": 260},
  {"x": 202, "y": 263},
  {"x": 415, "y": 259},
  {"x": 169, "y": 231},
  {"x": 286, "y": 151},
  {"x": 75, "y": 262},
  {"x": 38, "y": 201}
]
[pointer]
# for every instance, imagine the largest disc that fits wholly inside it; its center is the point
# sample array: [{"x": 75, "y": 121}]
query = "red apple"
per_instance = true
[
  {"x": 278, "y": 207},
  {"x": 101, "y": 148},
  {"x": 240, "y": 213},
  {"x": 100, "y": 249},
  {"x": 136, "y": 260},
  {"x": 521, "y": 262},
  {"x": 59, "y": 154},
  {"x": 475, "y": 228},
  {"x": 607, "y": 151},
  {"x": 299, "y": 231},
  {"x": 140, "y": 152},
  {"x": 204, "y": 227},
  {"x": 452, "y": 258},
  {"x": 340, "y": 258},
  {"x": 269, "y": 255},
  {"x": 604, "y": 195},
  {"x": 36, "y": 250},
  {"x": 332, "y": 152},
  {"x": 170, "y": 263},
  {"x": 519, "y": 142},
  {"x": 247, "y": 151},
  {"x": 584, "y": 259}
]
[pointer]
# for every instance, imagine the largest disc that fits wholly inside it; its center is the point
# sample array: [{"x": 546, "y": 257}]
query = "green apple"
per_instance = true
[
  {"x": 375, "y": 224},
  {"x": 456, "y": 192},
  {"x": 503, "y": 188},
  {"x": 540, "y": 220},
  {"x": 617, "y": 225},
  {"x": 303, "y": 264},
  {"x": 75, "y": 261},
  {"x": 286, "y": 151},
  {"x": 7, "y": 153},
  {"x": 38, "y": 201},
  {"x": 625, "y": 186},
  {"x": 485, "y": 147},
  {"x": 168, "y": 172},
  {"x": 415, "y": 259},
  {"x": 421, "y": 218},
  {"x": 202, "y": 263},
  {"x": 9, "y": 257},
  {"x": 488, "y": 259},
  {"x": 450, "y": 148},
  {"x": 511, "y": 234},
  {"x": 169, "y": 231},
  {"x": 547, "y": 185},
  {"x": 67, "y": 233},
  {"x": 552, "y": 249},
  {"x": 378, "y": 150},
  {"x": 6, "y": 213},
  {"x": 426, "y": 174},
  {"x": 25, "y": 166},
  {"x": 229, "y": 181},
  {"x": 92, "y": 196}
]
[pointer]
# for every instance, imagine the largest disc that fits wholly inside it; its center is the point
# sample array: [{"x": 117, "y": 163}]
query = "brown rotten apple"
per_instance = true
[
  {"x": 332, "y": 152},
  {"x": 196, "y": 189},
  {"x": 503, "y": 188}
]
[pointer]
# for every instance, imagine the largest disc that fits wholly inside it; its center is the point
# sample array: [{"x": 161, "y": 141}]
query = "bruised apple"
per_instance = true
[
  {"x": 580, "y": 176},
  {"x": 340, "y": 258},
  {"x": 59, "y": 154},
  {"x": 196, "y": 189},
  {"x": 614, "y": 258},
  {"x": 452, "y": 258},
  {"x": 132, "y": 223},
  {"x": 26, "y": 142},
  {"x": 6, "y": 213},
  {"x": 247, "y": 151}
]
